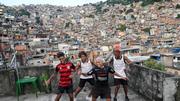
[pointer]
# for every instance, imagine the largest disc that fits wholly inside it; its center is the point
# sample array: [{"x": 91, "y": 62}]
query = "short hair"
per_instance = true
[
  {"x": 82, "y": 53},
  {"x": 60, "y": 54},
  {"x": 117, "y": 51},
  {"x": 100, "y": 59},
  {"x": 117, "y": 47}
]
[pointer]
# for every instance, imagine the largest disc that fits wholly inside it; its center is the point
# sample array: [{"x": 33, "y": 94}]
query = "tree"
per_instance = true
[
  {"x": 37, "y": 20},
  {"x": 121, "y": 27},
  {"x": 148, "y": 2},
  {"x": 105, "y": 10},
  {"x": 24, "y": 12},
  {"x": 99, "y": 7},
  {"x": 178, "y": 16},
  {"x": 133, "y": 17},
  {"x": 151, "y": 63},
  {"x": 147, "y": 30},
  {"x": 10, "y": 11},
  {"x": 124, "y": 2},
  {"x": 178, "y": 6},
  {"x": 90, "y": 16},
  {"x": 67, "y": 25},
  {"x": 113, "y": 16}
]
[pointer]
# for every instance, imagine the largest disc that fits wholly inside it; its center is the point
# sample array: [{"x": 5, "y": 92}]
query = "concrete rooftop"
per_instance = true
[{"x": 133, "y": 96}]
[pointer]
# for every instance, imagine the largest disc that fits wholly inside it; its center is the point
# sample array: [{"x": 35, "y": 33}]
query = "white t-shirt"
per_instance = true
[
  {"x": 86, "y": 67},
  {"x": 119, "y": 66}
]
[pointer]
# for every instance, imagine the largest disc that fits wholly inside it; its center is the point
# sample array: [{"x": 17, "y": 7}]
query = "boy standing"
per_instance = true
[
  {"x": 101, "y": 73},
  {"x": 119, "y": 63},
  {"x": 64, "y": 68},
  {"x": 85, "y": 66}
]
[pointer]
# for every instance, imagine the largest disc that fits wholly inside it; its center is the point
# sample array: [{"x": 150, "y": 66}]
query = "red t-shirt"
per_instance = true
[{"x": 64, "y": 70}]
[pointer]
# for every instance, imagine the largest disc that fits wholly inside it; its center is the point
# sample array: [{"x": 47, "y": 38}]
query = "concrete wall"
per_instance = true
[
  {"x": 8, "y": 78},
  {"x": 171, "y": 89},
  {"x": 34, "y": 71},
  {"x": 7, "y": 82},
  {"x": 153, "y": 84},
  {"x": 148, "y": 82}
]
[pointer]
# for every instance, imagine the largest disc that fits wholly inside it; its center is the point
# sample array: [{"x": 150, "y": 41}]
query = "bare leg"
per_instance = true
[
  {"x": 90, "y": 94},
  {"x": 94, "y": 98},
  {"x": 116, "y": 90},
  {"x": 108, "y": 99},
  {"x": 91, "y": 82},
  {"x": 125, "y": 89},
  {"x": 77, "y": 91},
  {"x": 71, "y": 96},
  {"x": 58, "y": 97}
]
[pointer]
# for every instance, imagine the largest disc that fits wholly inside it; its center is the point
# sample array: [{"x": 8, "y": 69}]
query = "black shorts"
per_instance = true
[
  {"x": 83, "y": 82},
  {"x": 61, "y": 90},
  {"x": 103, "y": 92},
  {"x": 120, "y": 81}
]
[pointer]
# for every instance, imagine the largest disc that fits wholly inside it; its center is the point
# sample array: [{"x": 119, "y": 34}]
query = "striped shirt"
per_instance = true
[
  {"x": 101, "y": 75},
  {"x": 65, "y": 70}
]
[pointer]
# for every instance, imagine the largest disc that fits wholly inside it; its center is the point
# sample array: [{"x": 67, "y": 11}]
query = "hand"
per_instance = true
[
  {"x": 48, "y": 82},
  {"x": 70, "y": 76},
  {"x": 79, "y": 72},
  {"x": 78, "y": 64},
  {"x": 126, "y": 69},
  {"x": 125, "y": 78}
]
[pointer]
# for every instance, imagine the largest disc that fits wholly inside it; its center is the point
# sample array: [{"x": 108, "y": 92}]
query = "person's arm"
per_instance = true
[
  {"x": 93, "y": 63},
  {"x": 127, "y": 61},
  {"x": 78, "y": 66},
  {"x": 73, "y": 68},
  {"x": 92, "y": 57},
  {"x": 125, "y": 78},
  {"x": 111, "y": 70},
  {"x": 111, "y": 62},
  {"x": 52, "y": 76},
  {"x": 91, "y": 72}
]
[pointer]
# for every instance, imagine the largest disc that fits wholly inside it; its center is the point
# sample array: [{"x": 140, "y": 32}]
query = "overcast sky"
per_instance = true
[{"x": 52, "y": 2}]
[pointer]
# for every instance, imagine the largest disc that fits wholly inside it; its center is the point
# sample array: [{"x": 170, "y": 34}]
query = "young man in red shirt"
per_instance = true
[{"x": 64, "y": 68}]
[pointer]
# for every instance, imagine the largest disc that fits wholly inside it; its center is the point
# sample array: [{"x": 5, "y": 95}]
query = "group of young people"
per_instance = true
[{"x": 95, "y": 73}]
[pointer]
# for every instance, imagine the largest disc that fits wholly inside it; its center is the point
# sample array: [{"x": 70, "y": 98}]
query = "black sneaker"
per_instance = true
[
  {"x": 126, "y": 98},
  {"x": 115, "y": 99}
]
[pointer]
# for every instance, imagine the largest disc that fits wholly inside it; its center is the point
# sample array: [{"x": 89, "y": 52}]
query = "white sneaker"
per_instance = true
[
  {"x": 75, "y": 99},
  {"x": 103, "y": 99},
  {"x": 88, "y": 98}
]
